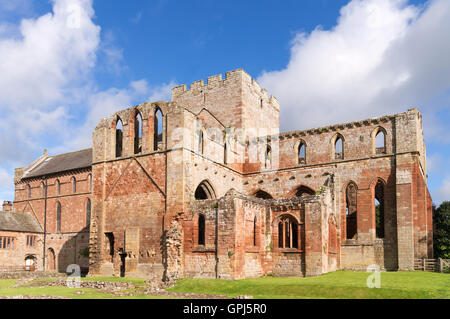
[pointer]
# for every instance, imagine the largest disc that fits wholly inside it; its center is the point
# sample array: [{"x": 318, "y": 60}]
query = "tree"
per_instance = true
[{"x": 442, "y": 231}]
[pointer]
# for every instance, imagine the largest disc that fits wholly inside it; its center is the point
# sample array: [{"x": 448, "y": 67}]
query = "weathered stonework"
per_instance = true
[{"x": 211, "y": 189}]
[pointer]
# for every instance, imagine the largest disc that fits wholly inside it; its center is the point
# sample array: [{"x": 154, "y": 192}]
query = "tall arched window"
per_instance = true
[
  {"x": 302, "y": 153},
  {"x": 88, "y": 213},
  {"x": 74, "y": 185},
  {"x": 137, "y": 133},
  {"x": 119, "y": 137},
  {"x": 28, "y": 191},
  {"x": 339, "y": 148},
  {"x": 58, "y": 187},
  {"x": 351, "y": 216},
  {"x": 287, "y": 232},
  {"x": 158, "y": 128},
  {"x": 268, "y": 157},
  {"x": 201, "y": 229},
  {"x": 379, "y": 209},
  {"x": 58, "y": 217},
  {"x": 380, "y": 142}
]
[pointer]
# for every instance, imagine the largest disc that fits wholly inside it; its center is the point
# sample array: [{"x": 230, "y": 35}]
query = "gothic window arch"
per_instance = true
[
  {"x": 205, "y": 191},
  {"x": 379, "y": 140},
  {"x": 119, "y": 137},
  {"x": 338, "y": 147},
  {"x": 301, "y": 155},
  {"x": 138, "y": 132}
]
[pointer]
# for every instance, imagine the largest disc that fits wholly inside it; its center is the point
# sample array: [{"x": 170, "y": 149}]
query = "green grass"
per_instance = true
[
  {"x": 341, "y": 284},
  {"x": 6, "y": 283}
]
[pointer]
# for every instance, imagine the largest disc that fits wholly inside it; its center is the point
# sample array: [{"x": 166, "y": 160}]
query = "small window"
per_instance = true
[
  {"x": 225, "y": 157},
  {"x": 43, "y": 189},
  {"x": 268, "y": 157},
  {"x": 90, "y": 182},
  {"x": 201, "y": 142},
  {"x": 255, "y": 233},
  {"x": 28, "y": 190},
  {"x": 74, "y": 185},
  {"x": 58, "y": 187},
  {"x": 201, "y": 229},
  {"x": 88, "y": 213}
]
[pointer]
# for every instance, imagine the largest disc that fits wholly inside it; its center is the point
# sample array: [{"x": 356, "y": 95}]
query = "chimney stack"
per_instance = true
[{"x": 7, "y": 206}]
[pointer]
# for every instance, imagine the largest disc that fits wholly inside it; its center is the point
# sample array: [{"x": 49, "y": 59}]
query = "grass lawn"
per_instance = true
[{"x": 340, "y": 284}]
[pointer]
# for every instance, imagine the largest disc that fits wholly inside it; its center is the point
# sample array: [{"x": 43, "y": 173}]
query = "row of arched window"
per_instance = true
[
  {"x": 57, "y": 184},
  {"x": 139, "y": 132},
  {"x": 59, "y": 215},
  {"x": 338, "y": 148}
]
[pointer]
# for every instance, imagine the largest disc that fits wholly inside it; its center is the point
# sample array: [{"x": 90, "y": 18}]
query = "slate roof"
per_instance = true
[
  {"x": 62, "y": 163},
  {"x": 19, "y": 222}
]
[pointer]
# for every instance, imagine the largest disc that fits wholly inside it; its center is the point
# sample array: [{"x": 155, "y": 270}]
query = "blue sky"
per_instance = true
[{"x": 349, "y": 59}]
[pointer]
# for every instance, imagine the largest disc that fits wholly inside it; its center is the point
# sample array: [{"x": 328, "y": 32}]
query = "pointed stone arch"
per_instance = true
[{"x": 205, "y": 191}]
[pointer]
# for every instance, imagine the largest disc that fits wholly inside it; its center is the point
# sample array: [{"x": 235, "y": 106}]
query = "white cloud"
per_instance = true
[
  {"x": 383, "y": 56},
  {"x": 52, "y": 54},
  {"x": 104, "y": 103}
]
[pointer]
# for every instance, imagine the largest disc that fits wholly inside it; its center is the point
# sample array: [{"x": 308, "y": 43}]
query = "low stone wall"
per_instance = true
[
  {"x": 28, "y": 274},
  {"x": 102, "y": 285}
]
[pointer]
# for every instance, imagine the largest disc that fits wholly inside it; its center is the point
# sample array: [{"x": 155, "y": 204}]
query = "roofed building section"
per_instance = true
[
  {"x": 61, "y": 163},
  {"x": 16, "y": 222}
]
